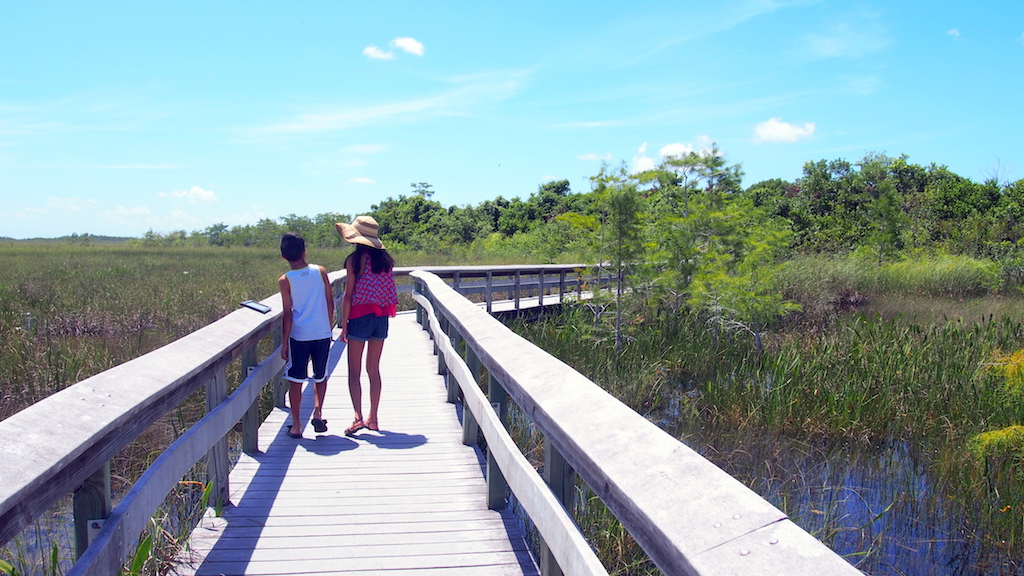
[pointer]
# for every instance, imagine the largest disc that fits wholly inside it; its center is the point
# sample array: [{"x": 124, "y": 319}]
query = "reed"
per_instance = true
[{"x": 845, "y": 392}]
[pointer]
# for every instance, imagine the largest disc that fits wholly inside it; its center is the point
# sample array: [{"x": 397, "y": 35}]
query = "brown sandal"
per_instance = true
[{"x": 356, "y": 426}]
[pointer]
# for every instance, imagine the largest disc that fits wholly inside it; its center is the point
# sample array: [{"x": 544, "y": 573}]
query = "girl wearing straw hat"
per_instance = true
[{"x": 370, "y": 299}]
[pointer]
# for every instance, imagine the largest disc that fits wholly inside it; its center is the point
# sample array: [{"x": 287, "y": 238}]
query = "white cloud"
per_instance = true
[
  {"x": 194, "y": 195},
  {"x": 642, "y": 164},
  {"x": 775, "y": 130},
  {"x": 410, "y": 45},
  {"x": 377, "y": 53},
  {"x": 122, "y": 213},
  {"x": 591, "y": 156},
  {"x": 954, "y": 33},
  {"x": 676, "y": 149},
  {"x": 359, "y": 180},
  {"x": 63, "y": 205}
]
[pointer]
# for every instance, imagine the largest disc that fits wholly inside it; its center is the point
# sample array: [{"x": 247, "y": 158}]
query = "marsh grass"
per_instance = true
[
  {"x": 859, "y": 426},
  {"x": 68, "y": 312}
]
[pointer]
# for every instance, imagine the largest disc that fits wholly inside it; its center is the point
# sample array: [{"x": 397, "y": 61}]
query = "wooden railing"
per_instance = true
[
  {"x": 686, "y": 513},
  {"x": 63, "y": 444}
]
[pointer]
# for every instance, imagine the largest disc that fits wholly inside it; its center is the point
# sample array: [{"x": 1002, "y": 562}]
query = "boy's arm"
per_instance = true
[
  {"x": 285, "y": 288},
  {"x": 330, "y": 296}
]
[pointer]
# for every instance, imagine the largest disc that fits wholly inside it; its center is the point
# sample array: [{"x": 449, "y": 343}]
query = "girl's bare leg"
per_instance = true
[
  {"x": 373, "y": 353},
  {"x": 355, "y": 390}
]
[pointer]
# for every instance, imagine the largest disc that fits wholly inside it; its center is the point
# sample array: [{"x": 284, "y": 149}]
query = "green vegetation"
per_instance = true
[
  {"x": 867, "y": 311},
  {"x": 838, "y": 386}
]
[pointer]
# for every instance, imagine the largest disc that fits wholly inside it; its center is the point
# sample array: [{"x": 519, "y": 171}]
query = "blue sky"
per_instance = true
[{"x": 118, "y": 118}]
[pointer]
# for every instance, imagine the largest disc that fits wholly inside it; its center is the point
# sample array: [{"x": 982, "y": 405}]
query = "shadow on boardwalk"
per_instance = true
[{"x": 409, "y": 499}]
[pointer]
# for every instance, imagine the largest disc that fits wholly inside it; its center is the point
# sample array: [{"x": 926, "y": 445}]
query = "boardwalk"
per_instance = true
[{"x": 408, "y": 500}]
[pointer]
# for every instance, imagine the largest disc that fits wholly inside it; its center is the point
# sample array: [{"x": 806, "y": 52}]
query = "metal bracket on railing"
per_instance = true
[{"x": 93, "y": 528}]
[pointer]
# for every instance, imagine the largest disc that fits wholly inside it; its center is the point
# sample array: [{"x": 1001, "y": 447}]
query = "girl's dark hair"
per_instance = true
[{"x": 380, "y": 259}]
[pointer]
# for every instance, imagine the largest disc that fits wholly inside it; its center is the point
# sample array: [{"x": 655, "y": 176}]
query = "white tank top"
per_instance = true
[{"x": 309, "y": 304}]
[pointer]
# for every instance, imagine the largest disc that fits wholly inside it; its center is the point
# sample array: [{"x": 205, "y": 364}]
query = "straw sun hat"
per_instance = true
[{"x": 362, "y": 230}]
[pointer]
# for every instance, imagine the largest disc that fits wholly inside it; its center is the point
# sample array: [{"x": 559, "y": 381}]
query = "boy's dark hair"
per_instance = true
[{"x": 292, "y": 246}]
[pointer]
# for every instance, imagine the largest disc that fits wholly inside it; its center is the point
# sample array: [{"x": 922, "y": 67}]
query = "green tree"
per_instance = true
[{"x": 621, "y": 227}]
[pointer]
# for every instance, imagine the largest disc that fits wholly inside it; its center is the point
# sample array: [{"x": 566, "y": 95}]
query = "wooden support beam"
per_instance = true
[
  {"x": 91, "y": 505},
  {"x": 251, "y": 420},
  {"x": 217, "y": 461},
  {"x": 561, "y": 478},
  {"x": 496, "y": 484}
]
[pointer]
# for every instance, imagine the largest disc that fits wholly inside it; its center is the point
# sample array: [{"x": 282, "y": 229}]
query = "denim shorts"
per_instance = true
[
  {"x": 300, "y": 352},
  {"x": 369, "y": 327}
]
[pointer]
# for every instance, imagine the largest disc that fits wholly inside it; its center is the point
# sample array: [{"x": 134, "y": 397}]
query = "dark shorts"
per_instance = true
[
  {"x": 369, "y": 327},
  {"x": 299, "y": 354}
]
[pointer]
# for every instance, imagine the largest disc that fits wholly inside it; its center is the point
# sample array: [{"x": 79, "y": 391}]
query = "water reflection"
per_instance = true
[{"x": 881, "y": 506}]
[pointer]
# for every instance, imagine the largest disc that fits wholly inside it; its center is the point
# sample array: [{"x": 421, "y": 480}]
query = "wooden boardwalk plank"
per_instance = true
[{"x": 407, "y": 500}]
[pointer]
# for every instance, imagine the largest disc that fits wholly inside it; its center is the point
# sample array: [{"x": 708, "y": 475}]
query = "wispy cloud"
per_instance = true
[
  {"x": 345, "y": 159},
  {"x": 954, "y": 33},
  {"x": 469, "y": 92},
  {"x": 854, "y": 36},
  {"x": 123, "y": 213},
  {"x": 359, "y": 180},
  {"x": 134, "y": 166},
  {"x": 591, "y": 157},
  {"x": 58, "y": 205},
  {"x": 195, "y": 195},
  {"x": 365, "y": 149},
  {"x": 775, "y": 130}
]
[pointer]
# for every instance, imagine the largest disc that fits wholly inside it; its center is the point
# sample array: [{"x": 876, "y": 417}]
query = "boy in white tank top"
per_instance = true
[{"x": 308, "y": 304}]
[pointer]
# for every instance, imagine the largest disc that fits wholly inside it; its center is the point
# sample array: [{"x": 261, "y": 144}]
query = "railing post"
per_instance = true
[
  {"x": 488, "y": 297},
  {"x": 280, "y": 386},
  {"x": 456, "y": 282},
  {"x": 518, "y": 277},
  {"x": 540, "y": 290},
  {"x": 453, "y": 386},
  {"x": 496, "y": 484},
  {"x": 470, "y": 428},
  {"x": 561, "y": 478},
  {"x": 251, "y": 419},
  {"x": 217, "y": 457},
  {"x": 561, "y": 286},
  {"x": 91, "y": 505}
]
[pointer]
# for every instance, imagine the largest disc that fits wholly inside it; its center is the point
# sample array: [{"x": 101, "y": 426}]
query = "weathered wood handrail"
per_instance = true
[
  {"x": 686, "y": 513},
  {"x": 572, "y": 552},
  {"x": 104, "y": 413}
]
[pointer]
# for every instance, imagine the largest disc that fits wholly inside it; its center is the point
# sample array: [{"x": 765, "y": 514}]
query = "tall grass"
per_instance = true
[
  {"x": 68, "y": 312},
  {"x": 863, "y": 427}
]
